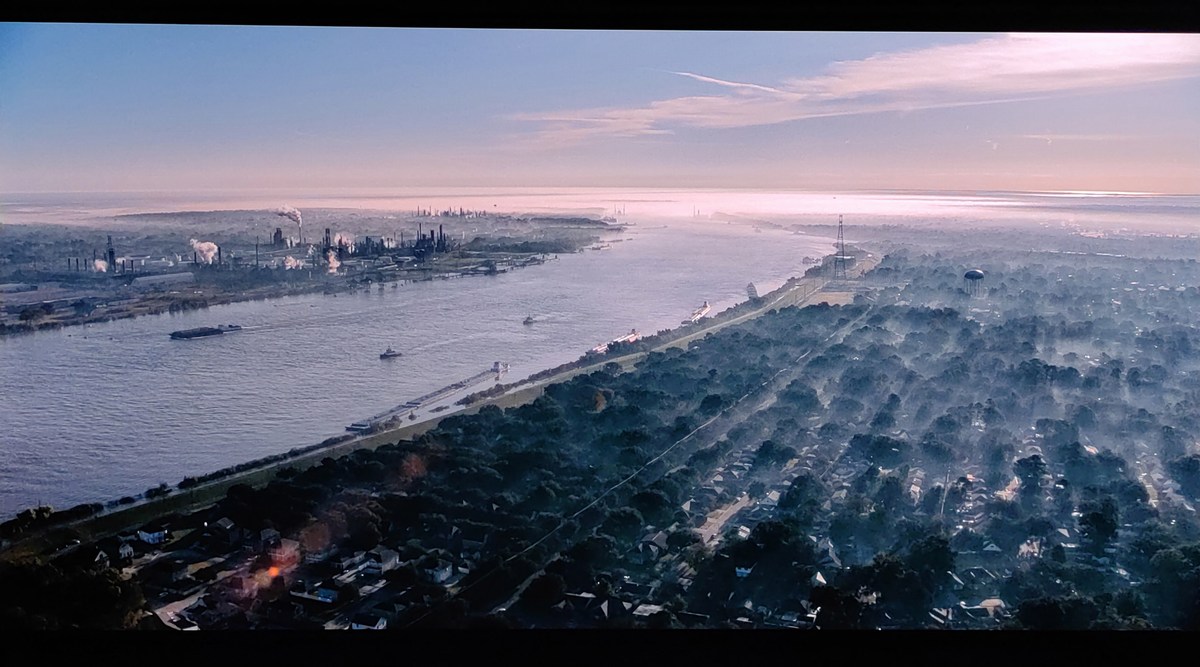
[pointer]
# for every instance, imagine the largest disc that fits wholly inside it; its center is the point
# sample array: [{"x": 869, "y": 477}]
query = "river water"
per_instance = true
[
  {"x": 94, "y": 413},
  {"x": 89, "y": 414}
]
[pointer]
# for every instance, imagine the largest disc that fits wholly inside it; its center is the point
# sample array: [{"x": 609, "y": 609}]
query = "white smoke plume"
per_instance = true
[
  {"x": 293, "y": 215},
  {"x": 99, "y": 266},
  {"x": 290, "y": 262},
  {"x": 206, "y": 249},
  {"x": 340, "y": 238},
  {"x": 333, "y": 261}
]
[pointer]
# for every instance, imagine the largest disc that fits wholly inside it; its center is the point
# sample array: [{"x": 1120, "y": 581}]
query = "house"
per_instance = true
[
  {"x": 632, "y": 590},
  {"x": 153, "y": 534},
  {"x": 646, "y": 610},
  {"x": 347, "y": 562},
  {"x": 440, "y": 573},
  {"x": 979, "y": 576},
  {"x": 125, "y": 552},
  {"x": 990, "y": 611},
  {"x": 577, "y": 601},
  {"x": 743, "y": 572},
  {"x": 225, "y": 532},
  {"x": 942, "y": 616},
  {"x": 390, "y": 610},
  {"x": 587, "y": 608},
  {"x": 789, "y": 619},
  {"x": 652, "y": 546},
  {"x": 692, "y": 619},
  {"x": 324, "y": 592},
  {"x": 266, "y": 538},
  {"x": 1030, "y": 549},
  {"x": 470, "y": 540},
  {"x": 612, "y": 609},
  {"x": 285, "y": 553},
  {"x": 168, "y": 571},
  {"x": 956, "y": 582},
  {"x": 380, "y": 560},
  {"x": 697, "y": 510},
  {"x": 319, "y": 555},
  {"x": 828, "y": 554},
  {"x": 368, "y": 621}
]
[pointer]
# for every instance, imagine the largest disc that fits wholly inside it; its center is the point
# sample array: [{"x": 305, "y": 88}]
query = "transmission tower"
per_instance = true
[{"x": 839, "y": 260}]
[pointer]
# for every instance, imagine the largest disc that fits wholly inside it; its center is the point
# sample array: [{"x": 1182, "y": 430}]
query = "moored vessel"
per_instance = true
[
  {"x": 630, "y": 337},
  {"x": 697, "y": 314},
  {"x": 200, "y": 332}
]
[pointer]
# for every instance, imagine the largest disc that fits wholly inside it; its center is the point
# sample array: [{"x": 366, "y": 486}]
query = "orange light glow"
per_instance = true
[{"x": 273, "y": 571}]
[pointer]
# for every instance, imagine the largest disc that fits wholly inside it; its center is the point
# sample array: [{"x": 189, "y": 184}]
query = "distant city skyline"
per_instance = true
[{"x": 93, "y": 107}]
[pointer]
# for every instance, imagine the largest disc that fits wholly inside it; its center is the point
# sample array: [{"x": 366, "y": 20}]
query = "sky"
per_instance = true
[{"x": 95, "y": 107}]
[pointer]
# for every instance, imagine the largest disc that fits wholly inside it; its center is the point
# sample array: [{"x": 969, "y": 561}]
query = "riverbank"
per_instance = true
[{"x": 71, "y": 308}]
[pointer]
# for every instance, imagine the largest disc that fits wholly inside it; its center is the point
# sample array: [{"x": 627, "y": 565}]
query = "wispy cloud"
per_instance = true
[
  {"x": 731, "y": 84},
  {"x": 1050, "y": 138},
  {"x": 994, "y": 69}
]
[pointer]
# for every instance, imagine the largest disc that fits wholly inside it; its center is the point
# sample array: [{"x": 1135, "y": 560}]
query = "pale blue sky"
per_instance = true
[{"x": 112, "y": 107}]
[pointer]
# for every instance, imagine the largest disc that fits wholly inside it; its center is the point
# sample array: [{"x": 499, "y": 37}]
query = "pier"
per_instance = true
[{"x": 497, "y": 370}]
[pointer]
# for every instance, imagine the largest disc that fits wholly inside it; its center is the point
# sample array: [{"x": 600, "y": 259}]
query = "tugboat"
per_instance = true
[
  {"x": 390, "y": 354},
  {"x": 528, "y": 319}
]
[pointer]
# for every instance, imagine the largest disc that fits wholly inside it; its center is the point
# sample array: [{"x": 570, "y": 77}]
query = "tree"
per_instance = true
[
  {"x": 1098, "y": 522},
  {"x": 838, "y": 610},
  {"x": 931, "y": 557},
  {"x": 1030, "y": 471},
  {"x": 1057, "y": 613},
  {"x": 654, "y": 506},
  {"x": 711, "y": 405},
  {"x": 1186, "y": 471},
  {"x": 544, "y": 592}
]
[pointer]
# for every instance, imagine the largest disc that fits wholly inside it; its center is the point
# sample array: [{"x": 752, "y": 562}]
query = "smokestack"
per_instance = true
[
  {"x": 195, "y": 258},
  {"x": 218, "y": 256},
  {"x": 256, "y": 252},
  {"x": 293, "y": 215}
]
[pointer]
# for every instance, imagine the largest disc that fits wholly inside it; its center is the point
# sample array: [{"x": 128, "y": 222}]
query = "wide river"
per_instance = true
[
  {"x": 90, "y": 414},
  {"x": 94, "y": 413}
]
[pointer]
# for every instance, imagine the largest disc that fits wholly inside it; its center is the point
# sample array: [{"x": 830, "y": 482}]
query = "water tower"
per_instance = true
[{"x": 974, "y": 281}]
